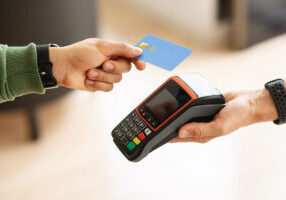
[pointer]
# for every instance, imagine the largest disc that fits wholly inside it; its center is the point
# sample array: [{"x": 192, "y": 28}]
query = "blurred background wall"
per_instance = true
[
  {"x": 199, "y": 19},
  {"x": 238, "y": 23}
]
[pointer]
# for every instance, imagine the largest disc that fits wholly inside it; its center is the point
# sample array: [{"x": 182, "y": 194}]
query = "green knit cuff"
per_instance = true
[{"x": 22, "y": 71}]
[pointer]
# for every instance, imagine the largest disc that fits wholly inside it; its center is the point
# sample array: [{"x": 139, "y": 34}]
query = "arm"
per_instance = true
[
  {"x": 18, "y": 72},
  {"x": 74, "y": 66},
  {"x": 243, "y": 109}
]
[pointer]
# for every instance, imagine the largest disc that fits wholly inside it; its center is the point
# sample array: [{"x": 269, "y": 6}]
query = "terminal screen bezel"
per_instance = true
[{"x": 176, "y": 91}]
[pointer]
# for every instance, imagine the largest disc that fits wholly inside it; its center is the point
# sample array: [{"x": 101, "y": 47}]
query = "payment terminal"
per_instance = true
[{"x": 181, "y": 99}]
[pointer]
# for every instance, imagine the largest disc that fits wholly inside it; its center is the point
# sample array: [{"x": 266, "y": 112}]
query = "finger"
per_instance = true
[
  {"x": 198, "y": 140},
  {"x": 102, "y": 76},
  {"x": 140, "y": 65},
  {"x": 199, "y": 130},
  {"x": 111, "y": 48},
  {"x": 117, "y": 66},
  {"x": 98, "y": 86}
]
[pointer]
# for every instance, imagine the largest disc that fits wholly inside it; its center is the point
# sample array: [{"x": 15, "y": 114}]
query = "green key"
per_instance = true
[{"x": 131, "y": 145}]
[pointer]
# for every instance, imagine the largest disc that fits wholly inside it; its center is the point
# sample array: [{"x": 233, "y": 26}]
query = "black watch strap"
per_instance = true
[
  {"x": 45, "y": 66},
  {"x": 278, "y": 93}
]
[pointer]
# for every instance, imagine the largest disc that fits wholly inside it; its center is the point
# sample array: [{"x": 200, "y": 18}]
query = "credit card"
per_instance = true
[{"x": 162, "y": 53}]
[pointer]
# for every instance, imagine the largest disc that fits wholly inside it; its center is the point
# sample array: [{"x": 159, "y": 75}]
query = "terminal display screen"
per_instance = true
[{"x": 163, "y": 105}]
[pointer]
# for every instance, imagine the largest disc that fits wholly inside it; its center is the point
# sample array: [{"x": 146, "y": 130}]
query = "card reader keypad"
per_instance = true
[{"x": 132, "y": 131}]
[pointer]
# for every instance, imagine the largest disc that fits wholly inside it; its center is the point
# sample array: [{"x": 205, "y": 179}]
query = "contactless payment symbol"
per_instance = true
[{"x": 143, "y": 45}]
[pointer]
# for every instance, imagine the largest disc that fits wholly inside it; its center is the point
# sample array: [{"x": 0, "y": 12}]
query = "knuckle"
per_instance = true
[
  {"x": 106, "y": 66},
  {"x": 92, "y": 76},
  {"x": 101, "y": 44},
  {"x": 91, "y": 88},
  {"x": 123, "y": 45},
  {"x": 101, "y": 76},
  {"x": 96, "y": 86},
  {"x": 197, "y": 131}
]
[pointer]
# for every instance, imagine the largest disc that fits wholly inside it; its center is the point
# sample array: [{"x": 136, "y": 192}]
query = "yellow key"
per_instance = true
[{"x": 136, "y": 140}]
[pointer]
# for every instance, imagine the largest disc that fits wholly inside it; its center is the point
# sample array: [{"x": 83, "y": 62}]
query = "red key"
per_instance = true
[{"x": 141, "y": 136}]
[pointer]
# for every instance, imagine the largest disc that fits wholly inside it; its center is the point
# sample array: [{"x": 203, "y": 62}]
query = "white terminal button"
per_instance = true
[{"x": 147, "y": 131}]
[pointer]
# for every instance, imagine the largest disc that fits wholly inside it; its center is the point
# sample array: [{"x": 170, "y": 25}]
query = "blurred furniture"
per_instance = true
[
  {"x": 256, "y": 20},
  {"x": 53, "y": 21}
]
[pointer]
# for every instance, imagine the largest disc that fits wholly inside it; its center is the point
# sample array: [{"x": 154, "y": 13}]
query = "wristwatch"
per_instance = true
[
  {"x": 278, "y": 94},
  {"x": 45, "y": 66}
]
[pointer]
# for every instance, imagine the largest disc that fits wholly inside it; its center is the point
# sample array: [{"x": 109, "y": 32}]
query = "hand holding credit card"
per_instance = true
[{"x": 162, "y": 53}]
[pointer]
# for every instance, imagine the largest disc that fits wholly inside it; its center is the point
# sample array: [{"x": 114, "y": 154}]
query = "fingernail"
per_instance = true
[
  {"x": 94, "y": 74},
  {"x": 109, "y": 66},
  {"x": 138, "y": 50},
  {"x": 184, "y": 134}
]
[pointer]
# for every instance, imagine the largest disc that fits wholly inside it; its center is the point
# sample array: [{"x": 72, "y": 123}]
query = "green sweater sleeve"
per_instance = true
[{"x": 19, "y": 73}]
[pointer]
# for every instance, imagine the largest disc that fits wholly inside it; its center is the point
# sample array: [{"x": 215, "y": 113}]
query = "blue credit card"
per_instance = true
[{"x": 162, "y": 53}]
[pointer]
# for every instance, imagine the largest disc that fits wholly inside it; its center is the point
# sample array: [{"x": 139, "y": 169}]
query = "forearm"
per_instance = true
[{"x": 18, "y": 72}]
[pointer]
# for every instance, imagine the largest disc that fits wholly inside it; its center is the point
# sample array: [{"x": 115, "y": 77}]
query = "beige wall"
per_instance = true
[{"x": 192, "y": 17}]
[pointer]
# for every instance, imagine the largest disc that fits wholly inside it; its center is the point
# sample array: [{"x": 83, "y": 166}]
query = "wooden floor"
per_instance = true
[{"x": 76, "y": 159}]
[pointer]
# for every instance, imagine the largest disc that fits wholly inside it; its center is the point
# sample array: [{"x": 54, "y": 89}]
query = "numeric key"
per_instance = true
[
  {"x": 130, "y": 135},
  {"x": 124, "y": 140},
  {"x": 127, "y": 121}
]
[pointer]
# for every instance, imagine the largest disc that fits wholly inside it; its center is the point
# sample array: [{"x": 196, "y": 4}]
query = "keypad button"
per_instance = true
[
  {"x": 137, "y": 120},
  {"x": 128, "y": 120},
  {"x": 147, "y": 131},
  {"x": 120, "y": 134},
  {"x": 124, "y": 140},
  {"x": 131, "y": 145},
  {"x": 130, "y": 135},
  {"x": 115, "y": 131},
  {"x": 136, "y": 130},
  {"x": 133, "y": 115},
  {"x": 142, "y": 125},
  {"x": 131, "y": 126},
  {"x": 125, "y": 130},
  {"x": 136, "y": 140},
  {"x": 141, "y": 136},
  {"x": 122, "y": 125}
]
